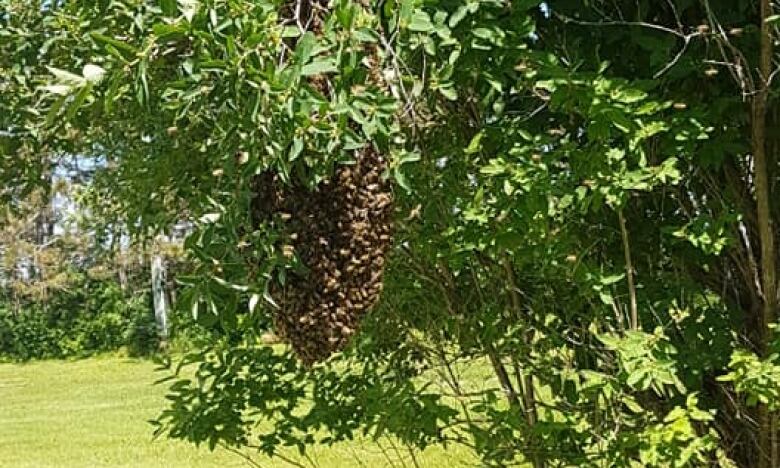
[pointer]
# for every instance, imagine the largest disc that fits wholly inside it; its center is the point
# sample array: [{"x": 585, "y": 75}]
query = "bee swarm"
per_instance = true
[{"x": 341, "y": 231}]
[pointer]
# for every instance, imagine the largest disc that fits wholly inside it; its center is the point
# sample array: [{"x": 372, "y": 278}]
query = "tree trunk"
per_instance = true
[
  {"x": 122, "y": 275},
  {"x": 159, "y": 297},
  {"x": 767, "y": 453}
]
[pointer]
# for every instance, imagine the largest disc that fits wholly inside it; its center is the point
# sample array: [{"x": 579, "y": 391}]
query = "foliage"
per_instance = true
[
  {"x": 583, "y": 207},
  {"x": 758, "y": 379},
  {"x": 94, "y": 316},
  {"x": 66, "y": 289}
]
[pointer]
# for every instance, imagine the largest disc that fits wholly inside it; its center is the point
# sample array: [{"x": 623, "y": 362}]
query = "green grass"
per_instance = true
[{"x": 94, "y": 413}]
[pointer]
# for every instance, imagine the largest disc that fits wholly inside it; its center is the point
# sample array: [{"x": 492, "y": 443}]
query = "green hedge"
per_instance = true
[{"x": 95, "y": 317}]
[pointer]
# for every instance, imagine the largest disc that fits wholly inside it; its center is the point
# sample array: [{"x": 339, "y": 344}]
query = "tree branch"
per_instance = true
[{"x": 768, "y": 451}]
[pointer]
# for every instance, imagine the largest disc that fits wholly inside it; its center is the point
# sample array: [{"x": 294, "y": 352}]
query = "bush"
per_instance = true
[
  {"x": 29, "y": 336},
  {"x": 95, "y": 317}
]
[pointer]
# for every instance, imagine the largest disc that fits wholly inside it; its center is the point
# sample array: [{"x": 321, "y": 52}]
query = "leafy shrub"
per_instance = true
[
  {"x": 29, "y": 336},
  {"x": 95, "y": 317}
]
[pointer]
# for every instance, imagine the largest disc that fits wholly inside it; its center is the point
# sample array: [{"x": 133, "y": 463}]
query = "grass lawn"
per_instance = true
[{"x": 94, "y": 413}]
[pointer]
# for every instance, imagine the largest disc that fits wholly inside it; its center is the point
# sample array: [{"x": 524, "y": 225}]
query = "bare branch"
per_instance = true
[
  {"x": 686, "y": 38},
  {"x": 640, "y": 24}
]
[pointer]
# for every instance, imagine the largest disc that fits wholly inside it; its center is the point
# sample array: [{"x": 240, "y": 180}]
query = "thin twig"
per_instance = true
[
  {"x": 686, "y": 38},
  {"x": 241, "y": 454},
  {"x": 678, "y": 56},
  {"x": 384, "y": 452},
  {"x": 629, "y": 271},
  {"x": 524, "y": 380},
  {"x": 282, "y": 457},
  {"x": 640, "y": 24},
  {"x": 744, "y": 80},
  {"x": 414, "y": 457},
  {"x": 675, "y": 13}
]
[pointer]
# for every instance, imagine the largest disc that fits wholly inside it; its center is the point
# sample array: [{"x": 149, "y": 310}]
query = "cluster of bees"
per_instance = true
[{"x": 341, "y": 232}]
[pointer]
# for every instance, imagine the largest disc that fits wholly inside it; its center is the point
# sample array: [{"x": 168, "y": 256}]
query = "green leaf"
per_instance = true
[
  {"x": 305, "y": 47},
  {"x": 54, "y": 110},
  {"x": 606, "y": 280},
  {"x": 291, "y": 31},
  {"x": 483, "y": 33},
  {"x": 61, "y": 90},
  {"x": 448, "y": 92},
  {"x": 189, "y": 8},
  {"x": 635, "y": 378},
  {"x": 458, "y": 15},
  {"x": 119, "y": 45},
  {"x": 365, "y": 35},
  {"x": 495, "y": 167},
  {"x": 319, "y": 67},
  {"x": 297, "y": 148},
  {"x": 66, "y": 77},
  {"x": 632, "y": 404},
  {"x": 606, "y": 298},
  {"x": 165, "y": 31},
  {"x": 421, "y": 22},
  {"x": 475, "y": 145},
  {"x": 78, "y": 100}
]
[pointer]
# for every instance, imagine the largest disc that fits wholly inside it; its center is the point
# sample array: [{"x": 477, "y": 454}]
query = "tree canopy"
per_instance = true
[{"x": 583, "y": 197}]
